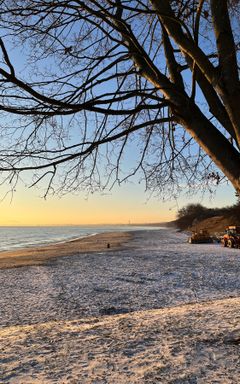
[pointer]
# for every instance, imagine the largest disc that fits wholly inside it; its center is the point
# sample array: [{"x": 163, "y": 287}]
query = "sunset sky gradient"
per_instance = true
[{"x": 124, "y": 205}]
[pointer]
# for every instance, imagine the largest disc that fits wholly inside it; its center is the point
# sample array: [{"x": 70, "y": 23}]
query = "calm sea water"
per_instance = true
[{"x": 21, "y": 237}]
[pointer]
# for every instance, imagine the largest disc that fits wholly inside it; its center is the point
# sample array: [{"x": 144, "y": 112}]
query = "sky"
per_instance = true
[{"x": 128, "y": 204}]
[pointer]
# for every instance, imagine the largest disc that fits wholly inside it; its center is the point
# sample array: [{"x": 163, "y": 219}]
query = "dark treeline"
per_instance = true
[{"x": 192, "y": 213}]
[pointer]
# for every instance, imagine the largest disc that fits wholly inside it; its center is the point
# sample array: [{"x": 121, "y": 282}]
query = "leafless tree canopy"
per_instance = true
[{"x": 114, "y": 88}]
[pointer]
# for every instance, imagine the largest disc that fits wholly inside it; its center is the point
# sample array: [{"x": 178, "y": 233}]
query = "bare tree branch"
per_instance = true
[{"x": 101, "y": 79}]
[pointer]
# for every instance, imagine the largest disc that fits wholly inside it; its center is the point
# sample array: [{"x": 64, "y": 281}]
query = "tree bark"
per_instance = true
[
  {"x": 229, "y": 83},
  {"x": 219, "y": 149}
]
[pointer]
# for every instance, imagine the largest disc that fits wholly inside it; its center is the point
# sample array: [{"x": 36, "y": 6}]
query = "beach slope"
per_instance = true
[{"x": 40, "y": 255}]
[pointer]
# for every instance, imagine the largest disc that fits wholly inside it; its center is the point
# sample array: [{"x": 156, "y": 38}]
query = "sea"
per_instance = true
[{"x": 27, "y": 237}]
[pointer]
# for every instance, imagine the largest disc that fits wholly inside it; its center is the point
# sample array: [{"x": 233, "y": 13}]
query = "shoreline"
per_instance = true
[
  {"x": 159, "y": 311},
  {"x": 43, "y": 253}
]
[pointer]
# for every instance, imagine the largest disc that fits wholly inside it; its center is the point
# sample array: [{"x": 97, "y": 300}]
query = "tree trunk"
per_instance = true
[{"x": 214, "y": 143}]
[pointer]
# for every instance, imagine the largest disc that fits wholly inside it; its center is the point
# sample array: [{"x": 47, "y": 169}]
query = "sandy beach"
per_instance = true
[
  {"x": 40, "y": 255},
  {"x": 154, "y": 310},
  {"x": 186, "y": 344}
]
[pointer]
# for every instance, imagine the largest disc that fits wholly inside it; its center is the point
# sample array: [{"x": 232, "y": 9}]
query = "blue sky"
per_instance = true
[{"x": 126, "y": 203}]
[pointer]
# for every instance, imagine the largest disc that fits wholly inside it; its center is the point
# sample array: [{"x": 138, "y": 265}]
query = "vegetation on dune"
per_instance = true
[{"x": 196, "y": 215}]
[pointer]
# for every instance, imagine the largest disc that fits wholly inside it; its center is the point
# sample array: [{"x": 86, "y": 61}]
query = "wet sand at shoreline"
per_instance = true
[{"x": 40, "y": 255}]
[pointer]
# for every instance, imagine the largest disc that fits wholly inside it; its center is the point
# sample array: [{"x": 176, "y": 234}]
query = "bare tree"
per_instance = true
[{"x": 104, "y": 77}]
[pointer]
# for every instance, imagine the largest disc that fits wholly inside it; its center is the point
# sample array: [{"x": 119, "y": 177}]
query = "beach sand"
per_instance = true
[
  {"x": 61, "y": 322},
  {"x": 189, "y": 344},
  {"x": 40, "y": 255}
]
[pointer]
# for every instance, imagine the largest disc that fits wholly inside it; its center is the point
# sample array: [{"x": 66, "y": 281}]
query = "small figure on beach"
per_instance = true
[{"x": 108, "y": 245}]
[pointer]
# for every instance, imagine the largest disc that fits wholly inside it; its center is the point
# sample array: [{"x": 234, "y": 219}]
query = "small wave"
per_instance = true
[{"x": 12, "y": 238}]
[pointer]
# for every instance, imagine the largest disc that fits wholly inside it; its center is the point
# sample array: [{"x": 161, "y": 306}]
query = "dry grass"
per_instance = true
[{"x": 216, "y": 224}]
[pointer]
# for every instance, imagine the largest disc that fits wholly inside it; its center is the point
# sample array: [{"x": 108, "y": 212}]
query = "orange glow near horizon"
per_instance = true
[
  {"x": 27, "y": 208},
  {"x": 127, "y": 204}
]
